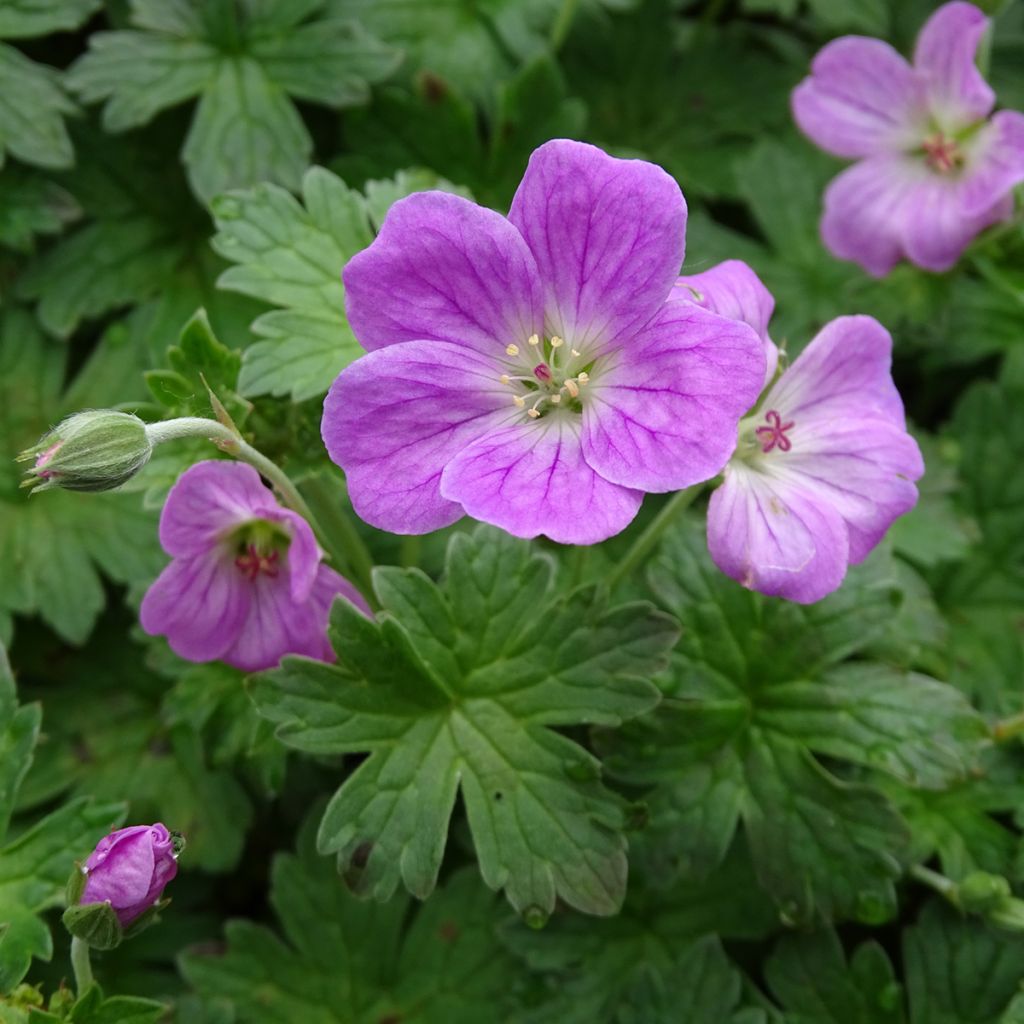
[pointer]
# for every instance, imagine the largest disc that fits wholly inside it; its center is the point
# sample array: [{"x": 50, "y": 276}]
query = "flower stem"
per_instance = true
[
  {"x": 340, "y": 533},
  {"x": 228, "y": 441},
  {"x": 563, "y": 22},
  {"x": 647, "y": 541},
  {"x": 81, "y": 965},
  {"x": 940, "y": 883}
]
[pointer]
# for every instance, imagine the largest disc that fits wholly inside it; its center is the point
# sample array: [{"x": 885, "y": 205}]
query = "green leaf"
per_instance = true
[
  {"x": 22, "y": 19},
  {"x": 595, "y": 969},
  {"x": 812, "y": 979},
  {"x": 244, "y": 62},
  {"x": 959, "y": 971},
  {"x": 344, "y": 961},
  {"x": 32, "y": 109},
  {"x": 56, "y": 544},
  {"x": 32, "y": 206},
  {"x": 452, "y": 690},
  {"x": 19, "y": 729},
  {"x": 291, "y": 255},
  {"x": 754, "y": 698},
  {"x": 34, "y": 869}
]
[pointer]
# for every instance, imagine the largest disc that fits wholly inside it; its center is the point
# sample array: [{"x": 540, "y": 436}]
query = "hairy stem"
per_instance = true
[
  {"x": 81, "y": 964},
  {"x": 648, "y": 540}
]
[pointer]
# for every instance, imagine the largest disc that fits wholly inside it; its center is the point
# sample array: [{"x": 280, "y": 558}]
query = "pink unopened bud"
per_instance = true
[{"x": 129, "y": 869}]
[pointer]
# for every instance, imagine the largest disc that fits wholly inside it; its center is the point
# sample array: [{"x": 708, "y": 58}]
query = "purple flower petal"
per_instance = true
[
  {"x": 124, "y": 873},
  {"x": 846, "y": 371},
  {"x": 862, "y": 468},
  {"x": 199, "y": 603},
  {"x": 944, "y": 58},
  {"x": 608, "y": 237},
  {"x": 277, "y": 625},
  {"x": 396, "y": 417},
  {"x": 866, "y": 209},
  {"x": 995, "y": 163},
  {"x": 735, "y": 291},
  {"x": 861, "y": 98},
  {"x": 773, "y": 537},
  {"x": 662, "y": 413},
  {"x": 444, "y": 269},
  {"x": 208, "y": 500},
  {"x": 304, "y": 554},
  {"x": 532, "y": 479}
]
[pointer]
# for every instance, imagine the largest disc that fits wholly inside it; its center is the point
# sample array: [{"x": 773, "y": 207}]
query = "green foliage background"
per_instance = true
[{"x": 794, "y": 793}]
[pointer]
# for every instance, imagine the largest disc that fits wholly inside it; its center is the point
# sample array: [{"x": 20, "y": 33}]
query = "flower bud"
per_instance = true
[
  {"x": 121, "y": 883},
  {"x": 96, "y": 450},
  {"x": 981, "y": 892}
]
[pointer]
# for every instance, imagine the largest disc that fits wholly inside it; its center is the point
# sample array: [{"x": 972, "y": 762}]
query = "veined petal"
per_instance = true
[
  {"x": 773, "y": 537},
  {"x": 995, "y": 162},
  {"x": 939, "y": 225},
  {"x": 208, "y": 500},
  {"x": 733, "y": 290},
  {"x": 396, "y": 417},
  {"x": 303, "y": 552},
  {"x": 861, "y": 99},
  {"x": 532, "y": 479},
  {"x": 845, "y": 372},
  {"x": 277, "y": 625},
  {"x": 944, "y": 58},
  {"x": 661, "y": 413},
  {"x": 608, "y": 236},
  {"x": 865, "y": 211},
  {"x": 199, "y": 603},
  {"x": 444, "y": 269},
  {"x": 862, "y": 468}
]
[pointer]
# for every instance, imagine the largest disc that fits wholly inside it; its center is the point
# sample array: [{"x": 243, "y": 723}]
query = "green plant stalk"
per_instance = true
[
  {"x": 939, "y": 883},
  {"x": 81, "y": 965},
  {"x": 648, "y": 540}
]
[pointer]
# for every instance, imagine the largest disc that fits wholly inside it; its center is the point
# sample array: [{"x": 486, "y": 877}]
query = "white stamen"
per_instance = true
[
  {"x": 534, "y": 340},
  {"x": 575, "y": 351},
  {"x": 505, "y": 379},
  {"x": 519, "y": 400},
  {"x": 555, "y": 399},
  {"x": 570, "y": 386},
  {"x": 511, "y": 350},
  {"x": 533, "y": 414},
  {"x": 556, "y": 341},
  {"x": 583, "y": 377}
]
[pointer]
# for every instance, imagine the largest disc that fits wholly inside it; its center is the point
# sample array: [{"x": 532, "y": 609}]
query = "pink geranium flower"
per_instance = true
[
  {"x": 933, "y": 167},
  {"x": 528, "y": 371},
  {"x": 246, "y": 584}
]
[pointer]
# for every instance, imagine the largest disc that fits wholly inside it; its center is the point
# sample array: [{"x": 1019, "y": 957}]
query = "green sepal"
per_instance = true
[
  {"x": 145, "y": 919},
  {"x": 94, "y": 923},
  {"x": 76, "y": 885}
]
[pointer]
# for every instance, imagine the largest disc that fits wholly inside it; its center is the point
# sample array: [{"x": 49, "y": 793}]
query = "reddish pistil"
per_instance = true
[
  {"x": 942, "y": 154},
  {"x": 774, "y": 435},
  {"x": 253, "y": 563},
  {"x": 543, "y": 373}
]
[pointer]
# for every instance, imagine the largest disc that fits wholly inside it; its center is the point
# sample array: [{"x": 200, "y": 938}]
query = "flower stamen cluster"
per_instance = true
[
  {"x": 942, "y": 154},
  {"x": 774, "y": 434},
  {"x": 546, "y": 380}
]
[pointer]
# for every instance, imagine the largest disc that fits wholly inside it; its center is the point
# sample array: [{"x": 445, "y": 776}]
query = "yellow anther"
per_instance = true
[
  {"x": 583, "y": 377},
  {"x": 534, "y": 340},
  {"x": 519, "y": 400},
  {"x": 556, "y": 399},
  {"x": 575, "y": 351},
  {"x": 533, "y": 414},
  {"x": 556, "y": 341},
  {"x": 570, "y": 386},
  {"x": 511, "y": 350},
  {"x": 505, "y": 379}
]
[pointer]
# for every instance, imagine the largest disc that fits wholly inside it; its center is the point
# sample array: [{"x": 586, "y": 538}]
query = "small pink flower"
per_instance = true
[
  {"x": 247, "y": 584},
  {"x": 129, "y": 869},
  {"x": 934, "y": 168}
]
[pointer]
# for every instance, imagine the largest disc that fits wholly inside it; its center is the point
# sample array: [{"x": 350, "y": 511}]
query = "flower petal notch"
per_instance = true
[
  {"x": 822, "y": 469},
  {"x": 247, "y": 584},
  {"x": 531, "y": 372},
  {"x": 934, "y": 169}
]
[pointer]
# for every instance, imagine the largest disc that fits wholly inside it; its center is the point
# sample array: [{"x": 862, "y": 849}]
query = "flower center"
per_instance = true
[
  {"x": 942, "y": 153},
  {"x": 258, "y": 548},
  {"x": 545, "y": 375},
  {"x": 773, "y": 435}
]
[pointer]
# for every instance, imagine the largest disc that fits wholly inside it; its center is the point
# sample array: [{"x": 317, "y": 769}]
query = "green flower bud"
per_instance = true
[
  {"x": 95, "y": 924},
  {"x": 96, "y": 450},
  {"x": 981, "y": 892}
]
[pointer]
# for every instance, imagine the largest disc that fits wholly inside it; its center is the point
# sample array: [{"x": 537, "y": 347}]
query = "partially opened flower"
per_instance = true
[
  {"x": 934, "y": 168},
  {"x": 246, "y": 584},
  {"x": 823, "y": 467},
  {"x": 528, "y": 371}
]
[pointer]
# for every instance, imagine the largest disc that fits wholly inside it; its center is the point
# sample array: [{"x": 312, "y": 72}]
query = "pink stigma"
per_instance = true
[
  {"x": 542, "y": 372},
  {"x": 252, "y": 564},
  {"x": 44, "y": 458},
  {"x": 774, "y": 435},
  {"x": 941, "y": 154}
]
